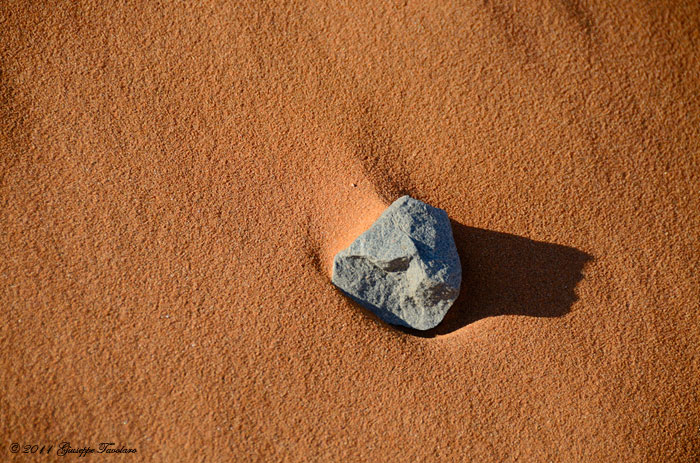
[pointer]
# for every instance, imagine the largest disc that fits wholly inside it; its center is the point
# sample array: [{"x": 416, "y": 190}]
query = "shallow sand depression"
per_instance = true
[{"x": 176, "y": 179}]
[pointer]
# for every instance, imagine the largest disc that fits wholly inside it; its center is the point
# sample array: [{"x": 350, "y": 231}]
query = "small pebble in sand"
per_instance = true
[{"x": 405, "y": 268}]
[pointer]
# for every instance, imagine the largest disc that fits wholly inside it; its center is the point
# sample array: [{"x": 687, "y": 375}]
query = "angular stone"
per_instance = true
[{"x": 405, "y": 268}]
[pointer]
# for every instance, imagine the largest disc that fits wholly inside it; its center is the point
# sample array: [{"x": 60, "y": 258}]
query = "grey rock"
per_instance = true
[{"x": 405, "y": 268}]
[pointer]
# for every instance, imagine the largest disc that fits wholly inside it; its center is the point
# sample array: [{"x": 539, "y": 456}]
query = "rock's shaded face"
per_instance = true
[{"x": 405, "y": 268}]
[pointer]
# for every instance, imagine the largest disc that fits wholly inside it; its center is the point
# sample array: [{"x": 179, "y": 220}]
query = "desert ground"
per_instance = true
[{"x": 176, "y": 177}]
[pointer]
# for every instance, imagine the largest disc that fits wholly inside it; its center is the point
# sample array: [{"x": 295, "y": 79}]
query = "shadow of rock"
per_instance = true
[{"x": 505, "y": 274}]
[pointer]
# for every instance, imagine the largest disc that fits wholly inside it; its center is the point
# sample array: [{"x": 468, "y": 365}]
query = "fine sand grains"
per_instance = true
[{"x": 175, "y": 179}]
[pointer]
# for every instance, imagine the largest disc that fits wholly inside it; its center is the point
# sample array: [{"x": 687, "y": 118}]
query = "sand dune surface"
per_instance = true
[{"x": 176, "y": 177}]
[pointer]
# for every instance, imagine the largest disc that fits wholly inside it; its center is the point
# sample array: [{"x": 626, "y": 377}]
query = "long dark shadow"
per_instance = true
[{"x": 505, "y": 274}]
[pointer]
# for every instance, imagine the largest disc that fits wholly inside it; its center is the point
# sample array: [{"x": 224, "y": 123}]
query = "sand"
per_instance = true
[{"x": 176, "y": 178}]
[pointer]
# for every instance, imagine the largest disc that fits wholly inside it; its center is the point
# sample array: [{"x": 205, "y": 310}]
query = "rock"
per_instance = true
[{"x": 405, "y": 268}]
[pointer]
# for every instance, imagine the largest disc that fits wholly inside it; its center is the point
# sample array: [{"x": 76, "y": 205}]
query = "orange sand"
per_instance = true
[{"x": 175, "y": 180}]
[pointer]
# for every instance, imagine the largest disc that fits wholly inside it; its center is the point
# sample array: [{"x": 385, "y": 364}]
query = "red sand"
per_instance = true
[{"x": 175, "y": 180}]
